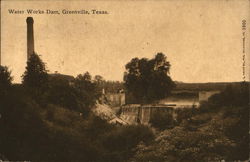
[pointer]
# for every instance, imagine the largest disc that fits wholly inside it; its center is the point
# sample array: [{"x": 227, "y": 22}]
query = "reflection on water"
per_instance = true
[{"x": 179, "y": 103}]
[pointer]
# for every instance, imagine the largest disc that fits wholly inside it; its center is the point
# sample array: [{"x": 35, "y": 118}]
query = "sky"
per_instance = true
[{"x": 202, "y": 39}]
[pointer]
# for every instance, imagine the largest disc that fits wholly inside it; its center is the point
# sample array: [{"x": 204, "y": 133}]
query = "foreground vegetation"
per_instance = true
[
  {"x": 218, "y": 130},
  {"x": 30, "y": 131},
  {"x": 46, "y": 119}
]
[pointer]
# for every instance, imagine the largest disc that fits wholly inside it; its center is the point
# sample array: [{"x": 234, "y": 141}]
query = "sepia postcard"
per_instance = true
[{"x": 124, "y": 80}]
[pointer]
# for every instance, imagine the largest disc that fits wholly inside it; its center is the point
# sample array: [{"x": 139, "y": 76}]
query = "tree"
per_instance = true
[
  {"x": 87, "y": 89},
  {"x": 36, "y": 75},
  {"x": 64, "y": 95},
  {"x": 148, "y": 80},
  {"x": 5, "y": 78},
  {"x": 99, "y": 81}
]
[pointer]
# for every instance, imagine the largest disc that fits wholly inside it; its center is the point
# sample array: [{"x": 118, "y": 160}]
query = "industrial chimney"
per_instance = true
[{"x": 30, "y": 37}]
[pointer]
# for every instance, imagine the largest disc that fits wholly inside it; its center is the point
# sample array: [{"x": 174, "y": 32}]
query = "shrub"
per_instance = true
[
  {"x": 120, "y": 142},
  {"x": 95, "y": 127},
  {"x": 184, "y": 114},
  {"x": 162, "y": 120}
]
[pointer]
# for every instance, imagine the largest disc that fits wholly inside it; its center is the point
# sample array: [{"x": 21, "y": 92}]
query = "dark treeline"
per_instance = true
[
  {"x": 109, "y": 86},
  {"x": 49, "y": 118},
  {"x": 205, "y": 86}
]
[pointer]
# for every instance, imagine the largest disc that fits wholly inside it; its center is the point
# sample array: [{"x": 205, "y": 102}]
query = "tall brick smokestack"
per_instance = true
[{"x": 30, "y": 37}]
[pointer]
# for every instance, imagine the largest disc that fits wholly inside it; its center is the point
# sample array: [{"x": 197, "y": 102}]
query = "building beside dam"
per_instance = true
[
  {"x": 116, "y": 99},
  {"x": 204, "y": 95}
]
